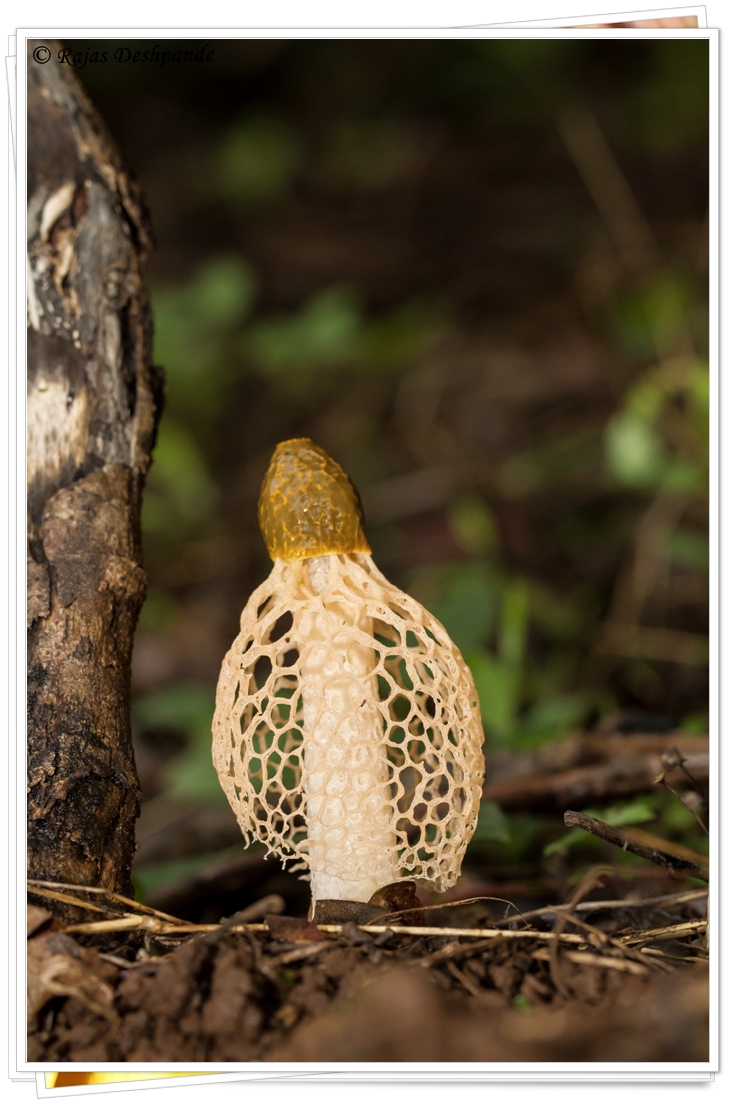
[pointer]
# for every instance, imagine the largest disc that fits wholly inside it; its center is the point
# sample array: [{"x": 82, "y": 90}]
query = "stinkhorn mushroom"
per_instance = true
[{"x": 347, "y": 731}]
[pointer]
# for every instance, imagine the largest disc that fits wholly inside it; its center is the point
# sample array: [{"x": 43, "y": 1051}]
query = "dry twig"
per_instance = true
[
  {"x": 600, "y": 906},
  {"x": 608, "y": 832},
  {"x": 463, "y": 980},
  {"x": 672, "y": 760},
  {"x": 588, "y": 769},
  {"x": 673, "y": 931},
  {"x": 65, "y": 898},
  {"x": 108, "y": 893},
  {"x": 588, "y": 958},
  {"x": 584, "y": 887}
]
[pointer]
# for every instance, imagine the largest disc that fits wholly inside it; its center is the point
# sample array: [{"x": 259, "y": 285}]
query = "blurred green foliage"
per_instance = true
[
  {"x": 489, "y": 612},
  {"x": 255, "y": 159},
  {"x": 195, "y": 323},
  {"x": 662, "y": 814},
  {"x": 492, "y": 825},
  {"x": 645, "y": 449},
  {"x": 156, "y": 875},
  {"x": 187, "y": 709},
  {"x": 326, "y": 332},
  {"x": 346, "y": 228},
  {"x": 633, "y": 812},
  {"x": 181, "y": 493}
]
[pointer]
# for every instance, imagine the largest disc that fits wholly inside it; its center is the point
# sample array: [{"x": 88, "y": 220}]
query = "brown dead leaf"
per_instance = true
[
  {"x": 58, "y": 967},
  {"x": 292, "y": 929},
  {"x": 38, "y": 918},
  {"x": 344, "y": 912},
  {"x": 402, "y": 902}
]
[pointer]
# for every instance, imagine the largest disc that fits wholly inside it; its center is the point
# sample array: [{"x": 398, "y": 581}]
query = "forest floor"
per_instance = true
[
  {"x": 595, "y": 981},
  {"x": 521, "y": 332},
  {"x": 605, "y": 962}
]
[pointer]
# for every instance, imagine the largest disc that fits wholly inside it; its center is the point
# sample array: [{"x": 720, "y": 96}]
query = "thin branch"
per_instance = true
[
  {"x": 608, "y": 832},
  {"x": 158, "y": 927},
  {"x": 673, "y": 931},
  {"x": 299, "y": 954},
  {"x": 623, "y": 772},
  {"x": 597, "y": 906},
  {"x": 671, "y": 760},
  {"x": 588, "y": 882},
  {"x": 129, "y": 923},
  {"x": 271, "y": 905},
  {"x": 463, "y": 980},
  {"x": 109, "y": 893},
  {"x": 588, "y": 958},
  {"x": 680, "y": 850},
  {"x": 688, "y": 806},
  {"x": 656, "y": 954},
  {"x": 610, "y": 191},
  {"x": 66, "y": 899},
  {"x": 603, "y": 940}
]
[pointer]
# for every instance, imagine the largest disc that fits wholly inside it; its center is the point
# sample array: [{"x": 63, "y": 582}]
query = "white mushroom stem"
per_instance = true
[{"x": 351, "y": 842}]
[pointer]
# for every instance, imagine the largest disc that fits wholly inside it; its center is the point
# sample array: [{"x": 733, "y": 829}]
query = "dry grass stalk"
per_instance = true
[{"x": 673, "y": 931}]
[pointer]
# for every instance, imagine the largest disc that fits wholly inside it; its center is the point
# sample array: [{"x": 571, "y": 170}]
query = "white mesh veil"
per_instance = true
[{"x": 347, "y": 734}]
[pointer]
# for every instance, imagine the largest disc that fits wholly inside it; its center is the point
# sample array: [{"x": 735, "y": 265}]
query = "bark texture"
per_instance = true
[{"x": 93, "y": 406}]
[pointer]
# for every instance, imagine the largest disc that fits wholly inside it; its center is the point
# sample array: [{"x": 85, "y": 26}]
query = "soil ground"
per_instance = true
[{"x": 294, "y": 993}]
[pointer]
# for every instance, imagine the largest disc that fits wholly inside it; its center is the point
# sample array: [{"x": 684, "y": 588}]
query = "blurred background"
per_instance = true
[{"x": 476, "y": 273}]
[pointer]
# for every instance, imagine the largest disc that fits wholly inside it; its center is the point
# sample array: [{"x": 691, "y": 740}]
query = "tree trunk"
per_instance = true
[{"x": 93, "y": 404}]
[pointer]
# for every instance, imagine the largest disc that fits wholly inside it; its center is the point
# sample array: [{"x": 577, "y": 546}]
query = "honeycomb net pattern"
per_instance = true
[{"x": 404, "y": 783}]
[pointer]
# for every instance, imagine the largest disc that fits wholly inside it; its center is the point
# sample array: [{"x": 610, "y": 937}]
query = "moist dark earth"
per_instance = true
[{"x": 294, "y": 993}]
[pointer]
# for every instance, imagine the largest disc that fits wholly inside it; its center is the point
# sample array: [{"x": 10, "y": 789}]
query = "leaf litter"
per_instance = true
[{"x": 618, "y": 980}]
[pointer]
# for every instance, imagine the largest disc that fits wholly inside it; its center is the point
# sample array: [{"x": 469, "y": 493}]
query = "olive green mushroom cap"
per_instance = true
[{"x": 308, "y": 506}]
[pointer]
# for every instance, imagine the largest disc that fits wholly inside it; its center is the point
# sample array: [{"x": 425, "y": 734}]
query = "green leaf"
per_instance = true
[
  {"x": 564, "y": 843},
  {"x": 474, "y": 526},
  {"x": 667, "y": 300},
  {"x": 467, "y": 611},
  {"x": 256, "y": 160},
  {"x": 669, "y": 109},
  {"x": 223, "y": 290},
  {"x": 498, "y": 687},
  {"x": 635, "y": 812},
  {"x": 180, "y": 491},
  {"x": 184, "y": 345},
  {"x": 402, "y": 335},
  {"x": 698, "y": 395},
  {"x": 560, "y": 616},
  {"x": 190, "y": 776},
  {"x": 697, "y": 724},
  {"x": 683, "y": 476},
  {"x": 147, "y": 879},
  {"x": 689, "y": 548},
  {"x": 635, "y": 453},
  {"x": 467, "y": 607},
  {"x": 324, "y": 333},
  {"x": 492, "y": 824},
  {"x": 554, "y": 717},
  {"x": 514, "y": 622},
  {"x": 194, "y": 326},
  {"x": 189, "y": 706},
  {"x": 159, "y": 611}
]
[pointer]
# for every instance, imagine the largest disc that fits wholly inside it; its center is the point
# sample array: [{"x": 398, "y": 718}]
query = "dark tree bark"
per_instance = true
[{"x": 93, "y": 406}]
